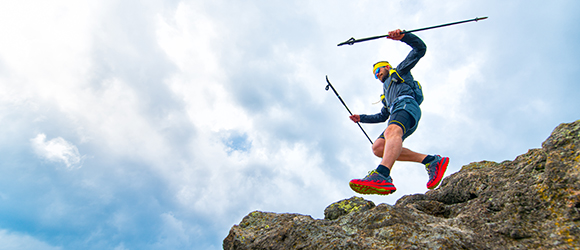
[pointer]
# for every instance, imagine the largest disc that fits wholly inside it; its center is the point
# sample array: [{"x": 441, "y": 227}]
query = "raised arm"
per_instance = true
[{"x": 418, "y": 50}]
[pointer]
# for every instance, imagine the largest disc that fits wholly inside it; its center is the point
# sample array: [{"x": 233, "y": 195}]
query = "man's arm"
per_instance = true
[
  {"x": 418, "y": 51},
  {"x": 376, "y": 118}
]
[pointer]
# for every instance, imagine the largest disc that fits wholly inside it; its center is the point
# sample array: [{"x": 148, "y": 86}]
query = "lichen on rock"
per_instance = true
[{"x": 346, "y": 206}]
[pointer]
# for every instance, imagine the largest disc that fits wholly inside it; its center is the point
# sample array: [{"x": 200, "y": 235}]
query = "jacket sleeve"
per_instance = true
[
  {"x": 418, "y": 51},
  {"x": 376, "y": 118}
]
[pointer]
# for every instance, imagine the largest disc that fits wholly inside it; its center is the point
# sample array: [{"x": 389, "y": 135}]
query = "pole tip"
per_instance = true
[
  {"x": 480, "y": 18},
  {"x": 350, "y": 41}
]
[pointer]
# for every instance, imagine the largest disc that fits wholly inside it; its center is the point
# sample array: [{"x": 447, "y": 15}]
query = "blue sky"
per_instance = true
[{"x": 161, "y": 124}]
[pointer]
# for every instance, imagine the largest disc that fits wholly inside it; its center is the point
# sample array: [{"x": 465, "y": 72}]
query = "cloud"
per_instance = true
[
  {"x": 196, "y": 113},
  {"x": 16, "y": 241},
  {"x": 57, "y": 150}
]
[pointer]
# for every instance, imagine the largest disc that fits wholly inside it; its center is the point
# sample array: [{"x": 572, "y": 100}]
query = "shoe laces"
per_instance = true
[
  {"x": 431, "y": 170},
  {"x": 372, "y": 172}
]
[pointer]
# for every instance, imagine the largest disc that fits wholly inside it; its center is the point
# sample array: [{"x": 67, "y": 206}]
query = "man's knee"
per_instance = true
[
  {"x": 379, "y": 147},
  {"x": 394, "y": 130}
]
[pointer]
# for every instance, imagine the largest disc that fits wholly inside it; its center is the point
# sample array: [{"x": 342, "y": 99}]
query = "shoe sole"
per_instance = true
[
  {"x": 440, "y": 173},
  {"x": 367, "y": 188}
]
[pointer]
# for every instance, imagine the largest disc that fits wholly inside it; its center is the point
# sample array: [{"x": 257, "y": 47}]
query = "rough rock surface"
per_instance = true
[{"x": 532, "y": 202}]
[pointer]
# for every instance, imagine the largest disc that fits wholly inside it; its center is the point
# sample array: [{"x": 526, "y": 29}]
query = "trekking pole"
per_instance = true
[
  {"x": 352, "y": 41},
  {"x": 339, "y": 98}
]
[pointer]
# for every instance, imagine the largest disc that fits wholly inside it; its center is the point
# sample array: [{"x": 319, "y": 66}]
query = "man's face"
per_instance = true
[{"x": 383, "y": 73}]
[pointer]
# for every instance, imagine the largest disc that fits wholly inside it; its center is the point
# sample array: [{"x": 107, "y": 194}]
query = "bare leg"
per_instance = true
[
  {"x": 393, "y": 145},
  {"x": 405, "y": 155}
]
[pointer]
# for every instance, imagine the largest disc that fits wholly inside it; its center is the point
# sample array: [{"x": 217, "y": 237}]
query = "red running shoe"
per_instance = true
[
  {"x": 373, "y": 183},
  {"x": 436, "y": 169}
]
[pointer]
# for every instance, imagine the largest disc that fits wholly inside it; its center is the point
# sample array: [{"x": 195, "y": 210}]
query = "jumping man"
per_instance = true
[{"x": 401, "y": 99}]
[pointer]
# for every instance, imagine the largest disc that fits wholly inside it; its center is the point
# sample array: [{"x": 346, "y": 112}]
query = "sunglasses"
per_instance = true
[{"x": 377, "y": 72}]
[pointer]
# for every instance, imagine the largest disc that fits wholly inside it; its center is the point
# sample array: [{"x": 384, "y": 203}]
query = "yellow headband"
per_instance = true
[{"x": 380, "y": 64}]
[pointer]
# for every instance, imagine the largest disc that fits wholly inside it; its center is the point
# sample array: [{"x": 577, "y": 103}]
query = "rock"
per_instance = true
[
  {"x": 343, "y": 207},
  {"x": 532, "y": 202}
]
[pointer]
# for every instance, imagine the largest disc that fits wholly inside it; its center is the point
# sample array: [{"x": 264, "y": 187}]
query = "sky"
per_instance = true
[{"x": 161, "y": 124}]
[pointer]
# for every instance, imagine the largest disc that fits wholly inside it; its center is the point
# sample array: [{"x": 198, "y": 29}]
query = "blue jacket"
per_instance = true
[{"x": 393, "y": 88}]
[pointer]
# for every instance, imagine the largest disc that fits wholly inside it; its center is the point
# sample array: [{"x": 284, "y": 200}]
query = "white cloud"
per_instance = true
[
  {"x": 16, "y": 241},
  {"x": 57, "y": 150}
]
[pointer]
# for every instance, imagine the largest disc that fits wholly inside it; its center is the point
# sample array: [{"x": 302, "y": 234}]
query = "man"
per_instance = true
[{"x": 401, "y": 99}]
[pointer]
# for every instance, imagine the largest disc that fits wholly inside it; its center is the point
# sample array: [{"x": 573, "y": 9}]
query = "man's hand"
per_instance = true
[
  {"x": 396, "y": 35},
  {"x": 355, "y": 118}
]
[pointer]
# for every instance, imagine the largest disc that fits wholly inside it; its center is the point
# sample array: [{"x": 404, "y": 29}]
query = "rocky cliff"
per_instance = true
[{"x": 532, "y": 202}]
